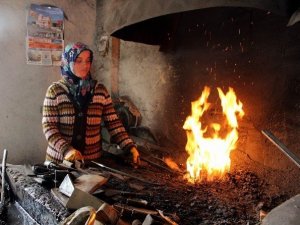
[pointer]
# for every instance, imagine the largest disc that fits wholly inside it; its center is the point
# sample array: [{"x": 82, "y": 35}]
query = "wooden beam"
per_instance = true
[{"x": 115, "y": 61}]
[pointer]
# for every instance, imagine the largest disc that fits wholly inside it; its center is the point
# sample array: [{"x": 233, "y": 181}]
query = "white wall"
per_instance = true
[
  {"x": 146, "y": 76},
  {"x": 23, "y": 86}
]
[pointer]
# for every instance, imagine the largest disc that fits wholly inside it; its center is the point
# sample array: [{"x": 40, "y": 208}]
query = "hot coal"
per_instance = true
[{"x": 237, "y": 199}]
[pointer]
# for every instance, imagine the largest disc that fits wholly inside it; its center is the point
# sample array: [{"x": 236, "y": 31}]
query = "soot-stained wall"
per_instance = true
[
  {"x": 245, "y": 49},
  {"x": 250, "y": 50}
]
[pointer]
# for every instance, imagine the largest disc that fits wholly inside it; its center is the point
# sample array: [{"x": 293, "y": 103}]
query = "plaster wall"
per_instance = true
[
  {"x": 23, "y": 86},
  {"x": 145, "y": 74}
]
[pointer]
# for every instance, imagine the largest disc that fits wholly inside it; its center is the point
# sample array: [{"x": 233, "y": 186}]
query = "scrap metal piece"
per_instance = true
[
  {"x": 281, "y": 147},
  {"x": 67, "y": 187},
  {"x": 77, "y": 199},
  {"x": 80, "y": 199}
]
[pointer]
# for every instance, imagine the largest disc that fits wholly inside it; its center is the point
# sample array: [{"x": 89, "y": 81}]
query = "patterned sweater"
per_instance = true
[{"x": 59, "y": 117}]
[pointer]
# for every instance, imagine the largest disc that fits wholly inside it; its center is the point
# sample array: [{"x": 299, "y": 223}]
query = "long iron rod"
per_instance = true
[
  {"x": 123, "y": 173},
  {"x": 281, "y": 147},
  {"x": 157, "y": 165},
  {"x": 3, "y": 175}
]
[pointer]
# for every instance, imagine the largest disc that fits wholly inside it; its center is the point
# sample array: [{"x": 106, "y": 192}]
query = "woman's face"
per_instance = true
[{"x": 82, "y": 64}]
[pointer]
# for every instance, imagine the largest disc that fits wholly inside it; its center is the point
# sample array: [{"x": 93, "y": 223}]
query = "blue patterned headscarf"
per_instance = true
[
  {"x": 69, "y": 56},
  {"x": 79, "y": 88}
]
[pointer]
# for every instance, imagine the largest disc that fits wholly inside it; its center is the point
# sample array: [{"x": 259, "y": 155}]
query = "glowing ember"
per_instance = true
[
  {"x": 170, "y": 163},
  {"x": 209, "y": 147}
]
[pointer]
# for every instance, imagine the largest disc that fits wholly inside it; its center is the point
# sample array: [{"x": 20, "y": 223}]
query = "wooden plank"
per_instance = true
[{"x": 89, "y": 182}]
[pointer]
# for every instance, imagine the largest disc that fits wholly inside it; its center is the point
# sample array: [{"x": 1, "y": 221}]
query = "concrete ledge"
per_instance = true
[
  {"x": 36, "y": 200},
  {"x": 288, "y": 213}
]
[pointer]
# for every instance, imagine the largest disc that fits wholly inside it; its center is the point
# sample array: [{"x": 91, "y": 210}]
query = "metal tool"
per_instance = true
[
  {"x": 3, "y": 206},
  {"x": 49, "y": 173},
  {"x": 3, "y": 176},
  {"x": 159, "y": 166},
  {"x": 281, "y": 147},
  {"x": 165, "y": 167},
  {"x": 123, "y": 173},
  {"x": 113, "y": 192}
]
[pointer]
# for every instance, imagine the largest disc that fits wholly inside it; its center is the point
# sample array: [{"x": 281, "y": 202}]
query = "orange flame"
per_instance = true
[{"x": 209, "y": 152}]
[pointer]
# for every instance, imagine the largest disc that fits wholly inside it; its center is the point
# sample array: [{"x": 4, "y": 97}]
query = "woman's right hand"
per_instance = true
[{"x": 72, "y": 154}]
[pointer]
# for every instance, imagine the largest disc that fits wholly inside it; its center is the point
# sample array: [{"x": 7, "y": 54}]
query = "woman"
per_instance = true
[{"x": 74, "y": 108}]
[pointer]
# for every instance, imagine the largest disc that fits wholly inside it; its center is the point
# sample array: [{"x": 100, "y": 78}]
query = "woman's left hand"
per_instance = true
[
  {"x": 135, "y": 157},
  {"x": 73, "y": 154}
]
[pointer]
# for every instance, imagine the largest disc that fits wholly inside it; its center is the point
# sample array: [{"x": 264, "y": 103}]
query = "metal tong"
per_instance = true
[{"x": 3, "y": 176}]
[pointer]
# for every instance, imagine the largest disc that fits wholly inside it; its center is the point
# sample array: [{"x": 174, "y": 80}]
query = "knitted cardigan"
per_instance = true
[{"x": 58, "y": 123}]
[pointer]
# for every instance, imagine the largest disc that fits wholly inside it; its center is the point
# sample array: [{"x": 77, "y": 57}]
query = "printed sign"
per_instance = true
[{"x": 45, "y": 41}]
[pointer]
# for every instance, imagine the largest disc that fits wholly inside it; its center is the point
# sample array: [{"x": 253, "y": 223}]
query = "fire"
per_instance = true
[{"x": 209, "y": 146}]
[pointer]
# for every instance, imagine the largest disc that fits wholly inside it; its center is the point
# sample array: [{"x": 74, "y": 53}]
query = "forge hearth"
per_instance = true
[
  {"x": 237, "y": 199},
  {"x": 249, "y": 49}
]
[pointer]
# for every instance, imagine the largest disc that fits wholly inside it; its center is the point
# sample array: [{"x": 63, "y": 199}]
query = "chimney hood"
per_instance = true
[{"x": 150, "y": 21}]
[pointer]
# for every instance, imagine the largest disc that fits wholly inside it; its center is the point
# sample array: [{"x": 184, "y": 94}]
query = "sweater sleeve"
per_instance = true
[
  {"x": 50, "y": 122},
  {"x": 114, "y": 125}
]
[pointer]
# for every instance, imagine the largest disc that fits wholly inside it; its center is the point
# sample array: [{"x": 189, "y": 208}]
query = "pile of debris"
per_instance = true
[
  {"x": 112, "y": 192},
  {"x": 114, "y": 196},
  {"x": 153, "y": 195}
]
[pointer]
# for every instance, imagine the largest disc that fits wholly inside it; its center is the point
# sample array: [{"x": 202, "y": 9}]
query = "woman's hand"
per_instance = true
[
  {"x": 72, "y": 154},
  {"x": 135, "y": 157}
]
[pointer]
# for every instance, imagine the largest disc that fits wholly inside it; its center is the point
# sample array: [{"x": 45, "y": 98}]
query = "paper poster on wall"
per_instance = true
[{"x": 45, "y": 41}]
